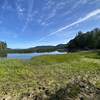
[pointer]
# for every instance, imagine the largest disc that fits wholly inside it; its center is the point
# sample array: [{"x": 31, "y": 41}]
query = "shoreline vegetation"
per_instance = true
[
  {"x": 71, "y": 76},
  {"x": 83, "y": 41}
]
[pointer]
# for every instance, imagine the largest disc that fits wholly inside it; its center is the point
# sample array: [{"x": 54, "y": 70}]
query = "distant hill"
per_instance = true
[
  {"x": 85, "y": 41},
  {"x": 60, "y": 47},
  {"x": 82, "y": 41}
]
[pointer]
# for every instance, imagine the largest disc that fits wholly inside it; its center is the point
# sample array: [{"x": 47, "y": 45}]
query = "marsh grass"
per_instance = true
[{"x": 49, "y": 71}]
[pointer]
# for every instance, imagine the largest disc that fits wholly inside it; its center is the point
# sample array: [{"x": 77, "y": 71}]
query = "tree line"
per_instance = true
[
  {"x": 85, "y": 41},
  {"x": 3, "y": 45},
  {"x": 3, "y": 49},
  {"x": 82, "y": 41}
]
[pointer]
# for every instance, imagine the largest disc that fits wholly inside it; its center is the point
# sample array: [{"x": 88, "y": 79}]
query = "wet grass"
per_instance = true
[{"x": 49, "y": 71}]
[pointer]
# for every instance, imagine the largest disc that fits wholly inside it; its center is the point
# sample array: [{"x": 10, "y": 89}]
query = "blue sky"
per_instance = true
[{"x": 28, "y": 23}]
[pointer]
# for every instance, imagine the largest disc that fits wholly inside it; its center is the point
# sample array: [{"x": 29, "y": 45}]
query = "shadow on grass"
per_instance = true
[{"x": 75, "y": 90}]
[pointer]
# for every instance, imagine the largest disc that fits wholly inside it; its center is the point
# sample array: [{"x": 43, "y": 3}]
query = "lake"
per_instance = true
[{"x": 29, "y": 55}]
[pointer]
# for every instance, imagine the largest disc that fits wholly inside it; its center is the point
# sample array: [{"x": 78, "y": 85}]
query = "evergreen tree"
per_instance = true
[{"x": 88, "y": 40}]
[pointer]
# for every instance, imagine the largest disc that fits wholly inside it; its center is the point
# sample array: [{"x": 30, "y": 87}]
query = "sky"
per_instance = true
[{"x": 29, "y": 23}]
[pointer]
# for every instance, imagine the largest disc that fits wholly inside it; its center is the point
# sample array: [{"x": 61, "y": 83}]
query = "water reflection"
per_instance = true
[
  {"x": 30, "y": 55},
  {"x": 25, "y": 55}
]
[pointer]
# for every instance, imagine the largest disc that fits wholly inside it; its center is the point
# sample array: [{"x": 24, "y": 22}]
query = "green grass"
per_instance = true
[{"x": 50, "y": 71}]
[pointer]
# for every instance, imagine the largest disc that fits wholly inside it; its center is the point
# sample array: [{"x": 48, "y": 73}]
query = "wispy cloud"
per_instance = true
[
  {"x": 6, "y": 5},
  {"x": 48, "y": 4},
  {"x": 54, "y": 8},
  {"x": 88, "y": 16},
  {"x": 20, "y": 10},
  {"x": 29, "y": 15},
  {"x": 75, "y": 5},
  {"x": 84, "y": 1}
]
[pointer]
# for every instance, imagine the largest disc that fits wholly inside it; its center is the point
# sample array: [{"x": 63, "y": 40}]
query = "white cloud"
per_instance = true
[
  {"x": 44, "y": 23},
  {"x": 48, "y": 4},
  {"x": 75, "y": 5},
  {"x": 84, "y": 1},
  {"x": 57, "y": 7},
  {"x": 54, "y": 7},
  {"x": 20, "y": 10},
  {"x": 88, "y": 16},
  {"x": 6, "y": 5},
  {"x": 94, "y": 2},
  {"x": 52, "y": 14},
  {"x": 29, "y": 15}
]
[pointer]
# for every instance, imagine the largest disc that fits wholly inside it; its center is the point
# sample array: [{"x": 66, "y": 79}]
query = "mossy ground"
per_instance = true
[{"x": 50, "y": 72}]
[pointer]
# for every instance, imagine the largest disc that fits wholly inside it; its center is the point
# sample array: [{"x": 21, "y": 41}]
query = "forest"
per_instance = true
[
  {"x": 68, "y": 76},
  {"x": 85, "y": 41},
  {"x": 3, "y": 49}
]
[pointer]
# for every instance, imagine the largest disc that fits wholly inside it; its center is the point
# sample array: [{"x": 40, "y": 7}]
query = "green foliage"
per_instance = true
[
  {"x": 85, "y": 41},
  {"x": 50, "y": 72},
  {"x": 3, "y": 49},
  {"x": 3, "y": 46},
  {"x": 39, "y": 49}
]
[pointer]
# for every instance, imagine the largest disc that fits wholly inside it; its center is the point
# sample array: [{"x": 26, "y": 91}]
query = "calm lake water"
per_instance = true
[{"x": 30, "y": 55}]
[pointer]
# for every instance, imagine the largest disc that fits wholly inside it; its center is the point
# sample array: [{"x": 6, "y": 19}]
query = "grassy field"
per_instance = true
[{"x": 48, "y": 74}]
